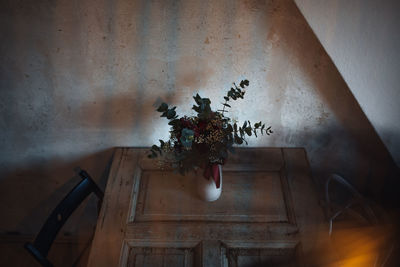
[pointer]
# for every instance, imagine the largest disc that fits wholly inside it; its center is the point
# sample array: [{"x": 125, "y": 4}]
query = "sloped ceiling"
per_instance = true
[{"x": 363, "y": 40}]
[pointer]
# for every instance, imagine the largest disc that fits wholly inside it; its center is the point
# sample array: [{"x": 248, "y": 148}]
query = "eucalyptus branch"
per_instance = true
[
  {"x": 246, "y": 129},
  {"x": 234, "y": 93},
  {"x": 206, "y": 137},
  {"x": 223, "y": 109}
]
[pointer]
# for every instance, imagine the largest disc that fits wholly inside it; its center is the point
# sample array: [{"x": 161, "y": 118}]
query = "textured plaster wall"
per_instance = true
[
  {"x": 363, "y": 39},
  {"x": 80, "y": 77}
]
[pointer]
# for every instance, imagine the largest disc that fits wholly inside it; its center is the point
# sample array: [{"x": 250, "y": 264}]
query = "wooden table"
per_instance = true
[{"x": 268, "y": 213}]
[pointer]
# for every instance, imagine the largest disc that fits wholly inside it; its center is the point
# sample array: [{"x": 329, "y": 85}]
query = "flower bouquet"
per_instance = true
[{"x": 203, "y": 141}]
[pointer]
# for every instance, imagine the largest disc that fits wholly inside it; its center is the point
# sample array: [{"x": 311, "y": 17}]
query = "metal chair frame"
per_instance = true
[
  {"x": 40, "y": 247},
  {"x": 370, "y": 216}
]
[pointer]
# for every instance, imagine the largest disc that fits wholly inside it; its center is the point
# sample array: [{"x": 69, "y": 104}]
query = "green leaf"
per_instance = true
[
  {"x": 155, "y": 148},
  {"x": 197, "y": 98},
  {"x": 238, "y": 140},
  {"x": 226, "y": 98},
  {"x": 241, "y": 132},
  {"x": 205, "y": 101},
  {"x": 244, "y": 83},
  {"x": 171, "y": 114},
  {"x": 226, "y": 105},
  {"x": 174, "y": 123},
  {"x": 196, "y": 108},
  {"x": 248, "y": 131},
  {"x": 244, "y": 124},
  {"x": 163, "y": 107}
]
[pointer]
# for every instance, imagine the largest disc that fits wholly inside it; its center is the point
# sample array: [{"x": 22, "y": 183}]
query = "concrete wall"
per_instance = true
[
  {"x": 363, "y": 39},
  {"x": 80, "y": 77}
]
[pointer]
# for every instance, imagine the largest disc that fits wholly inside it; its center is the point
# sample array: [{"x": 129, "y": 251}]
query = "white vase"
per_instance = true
[{"x": 207, "y": 189}]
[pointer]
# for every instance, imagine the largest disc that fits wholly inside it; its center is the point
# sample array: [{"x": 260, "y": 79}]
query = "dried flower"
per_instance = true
[{"x": 207, "y": 137}]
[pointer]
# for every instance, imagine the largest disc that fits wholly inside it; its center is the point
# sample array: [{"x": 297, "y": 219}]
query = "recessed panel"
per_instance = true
[
  {"x": 253, "y": 257},
  {"x": 246, "y": 196},
  {"x": 154, "y": 257}
]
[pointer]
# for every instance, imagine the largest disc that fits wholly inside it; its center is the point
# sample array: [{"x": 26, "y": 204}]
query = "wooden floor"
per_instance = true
[{"x": 64, "y": 252}]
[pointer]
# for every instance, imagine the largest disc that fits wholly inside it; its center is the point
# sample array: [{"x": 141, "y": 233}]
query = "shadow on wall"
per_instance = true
[
  {"x": 124, "y": 112},
  {"x": 370, "y": 167},
  {"x": 26, "y": 209},
  {"x": 27, "y": 196},
  {"x": 29, "y": 193}
]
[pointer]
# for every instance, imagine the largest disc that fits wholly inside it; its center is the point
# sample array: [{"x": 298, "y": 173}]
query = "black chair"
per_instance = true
[
  {"x": 41, "y": 245},
  {"x": 360, "y": 209}
]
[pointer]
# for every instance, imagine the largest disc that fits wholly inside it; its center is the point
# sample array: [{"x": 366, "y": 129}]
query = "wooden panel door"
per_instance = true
[{"x": 267, "y": 214}]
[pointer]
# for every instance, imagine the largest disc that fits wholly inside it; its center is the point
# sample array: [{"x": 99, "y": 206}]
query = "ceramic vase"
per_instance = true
[{"x": 207, "y": 189}]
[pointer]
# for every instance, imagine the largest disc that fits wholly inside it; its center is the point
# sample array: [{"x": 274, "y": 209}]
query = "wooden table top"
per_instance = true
[{"x": 268, "y": 211}]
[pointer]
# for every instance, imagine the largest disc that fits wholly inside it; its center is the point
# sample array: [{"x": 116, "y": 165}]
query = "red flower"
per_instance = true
[
  {"x": 202, "y": 125},
  {"x": 199, "y": 128},
  {"x": 186, "y": 123}
]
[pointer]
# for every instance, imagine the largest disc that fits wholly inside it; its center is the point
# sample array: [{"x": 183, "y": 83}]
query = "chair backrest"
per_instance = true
[
  {"x": 368, "y": 214},
  {"x": 42, "y": 244},
  {"x": 357, "y": 199}
]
